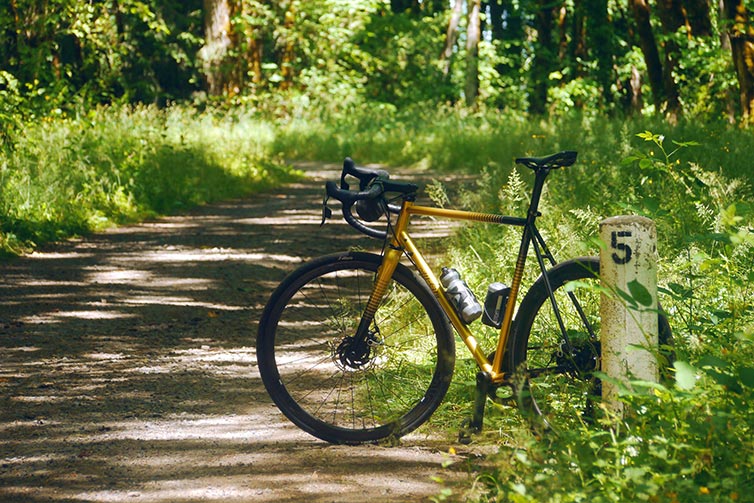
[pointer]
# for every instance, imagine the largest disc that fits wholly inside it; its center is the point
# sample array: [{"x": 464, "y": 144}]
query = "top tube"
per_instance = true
[{"x": 466, "y": 215}]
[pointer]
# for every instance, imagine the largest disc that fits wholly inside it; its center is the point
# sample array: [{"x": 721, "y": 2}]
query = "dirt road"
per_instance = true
[{"x": 127, "y": 369}]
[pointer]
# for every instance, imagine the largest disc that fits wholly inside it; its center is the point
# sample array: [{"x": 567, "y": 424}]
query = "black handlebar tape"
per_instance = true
[
  {"x": 364, "y": 175},
  {"x": 348, "y": 198},
  {"x": 348, "y": 167}
]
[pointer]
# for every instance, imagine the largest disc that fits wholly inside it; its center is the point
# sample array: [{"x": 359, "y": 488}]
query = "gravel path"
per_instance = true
[{"x": 127, "y": 369}]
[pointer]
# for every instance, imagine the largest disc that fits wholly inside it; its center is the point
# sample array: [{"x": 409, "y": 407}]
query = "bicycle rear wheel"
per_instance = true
[
  {"x": 555, "y": 383},
  {"x": 344, "y": 392}
]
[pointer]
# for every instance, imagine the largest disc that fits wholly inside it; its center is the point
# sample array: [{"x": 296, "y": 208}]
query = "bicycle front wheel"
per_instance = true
[
  {"x": 337, "y": 389},
  {"x": 554, "y": 375}
]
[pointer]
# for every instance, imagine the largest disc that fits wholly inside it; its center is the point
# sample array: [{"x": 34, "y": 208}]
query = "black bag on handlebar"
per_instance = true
[{"x": 370, "y": 210}]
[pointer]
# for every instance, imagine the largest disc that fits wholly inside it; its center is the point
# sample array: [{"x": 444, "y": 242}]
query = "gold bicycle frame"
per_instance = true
[{"x": 401, "y": 242}]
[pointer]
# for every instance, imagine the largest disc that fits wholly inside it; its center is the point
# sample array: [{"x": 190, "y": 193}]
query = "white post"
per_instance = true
[{"x": 628, "y": 264}]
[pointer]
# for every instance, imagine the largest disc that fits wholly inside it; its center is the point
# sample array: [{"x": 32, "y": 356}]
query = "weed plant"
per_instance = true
[
  {"x": 690, "y": 440},
  {"x": 64, "y": 176},
  {"x": 687, "y": 440}
]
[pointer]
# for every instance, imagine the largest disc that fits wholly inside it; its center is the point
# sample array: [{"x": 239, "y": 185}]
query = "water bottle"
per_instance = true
[
  {"x": 494, "y": 304},
  {"x": 460, "y": 295}
]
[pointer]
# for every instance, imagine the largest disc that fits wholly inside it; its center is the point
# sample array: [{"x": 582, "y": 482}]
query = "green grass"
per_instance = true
[
  {"x": 62, "y": 176},
  {"x": 688, "y": 441}
]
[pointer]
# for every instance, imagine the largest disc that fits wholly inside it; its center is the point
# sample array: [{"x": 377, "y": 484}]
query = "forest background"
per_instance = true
[{"x": 117, "y": 110}]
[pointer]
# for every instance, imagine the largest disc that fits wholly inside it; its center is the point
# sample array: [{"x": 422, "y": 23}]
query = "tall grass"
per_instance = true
[
  {"x": 687, "y": 441},
  {"x": 447, "y": 139},
  {"x": 66, "y": 176}
]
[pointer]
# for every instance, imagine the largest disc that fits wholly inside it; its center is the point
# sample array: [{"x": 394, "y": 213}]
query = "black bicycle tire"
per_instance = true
[
  {"x": 571, "y": 270},
  {"x": 268, "y": 368}
]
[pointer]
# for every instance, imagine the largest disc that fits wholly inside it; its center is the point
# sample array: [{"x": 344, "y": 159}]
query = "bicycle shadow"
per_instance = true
[{"x": 127, "y": 369}]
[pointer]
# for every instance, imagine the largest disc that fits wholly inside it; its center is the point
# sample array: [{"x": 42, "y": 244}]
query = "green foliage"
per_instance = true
[
  {"x": 396, "y": 56},
  {"x": 11, "y": 106},
  {"x": 66, "y": 176},
  {"x": 287, "y": 56},
  {"x": 697, "y": 188},
  {"x": 679, "y": 445},
  {"x": 67, "y": 52},
  {"x": 687, "y": 442}
]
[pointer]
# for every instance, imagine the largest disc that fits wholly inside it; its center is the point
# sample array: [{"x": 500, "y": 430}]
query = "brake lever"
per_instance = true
[{"x": 326, "y": 212}]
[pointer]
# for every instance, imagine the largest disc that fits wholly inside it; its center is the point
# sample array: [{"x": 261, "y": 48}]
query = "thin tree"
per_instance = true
[
  {"x": 741, "y": 36},
  {"x": 473, "y": 34},
  {"x": 672, "y": 18},
  {"x": 545, "y": 53},
  {"x": 648, "y": 45},
  {"x": 287, "y": 58},
  {"x": 451, "y": 36},
  {"x": 599, "y": 36},
  {"x": 216, "y": 44},
  {"x": 698, "y": 17}
]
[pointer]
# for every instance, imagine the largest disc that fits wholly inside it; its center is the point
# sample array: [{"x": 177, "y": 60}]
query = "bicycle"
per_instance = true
[{"x": 355, "y": 347}]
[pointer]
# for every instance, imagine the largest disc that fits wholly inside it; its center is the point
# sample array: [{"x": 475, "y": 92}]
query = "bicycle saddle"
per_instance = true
[{"x": 554, "y": 161}]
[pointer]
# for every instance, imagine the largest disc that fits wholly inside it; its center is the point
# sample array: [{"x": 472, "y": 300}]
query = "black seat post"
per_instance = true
[{"x": 540, "y": 175}]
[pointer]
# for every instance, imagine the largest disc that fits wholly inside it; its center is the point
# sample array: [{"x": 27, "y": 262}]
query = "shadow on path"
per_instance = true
[{"x": 127, "y": 371}]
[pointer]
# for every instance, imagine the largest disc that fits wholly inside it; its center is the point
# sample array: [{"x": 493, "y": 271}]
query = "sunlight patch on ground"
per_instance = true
[
  {"x": 49, "y": 398},
  {"x": 206, "y": 354},
  {"x": 59, "y": 316},
  {"x": 48, "y": 282},
  {"x": 74, "y": 255},
  {"x": 93, "y": 315},
  {"x": 292, "y": 218},
  {"x": 105, "y": 356},
  {"x": 22, "y": 349},
  {"x": 215, "y": 255},
  {"x": 236, "y": 363},
  {"x": 140, "y": 278},
  {"x": 178, "y": 301},
  {"x": 160, "y": 226},
  {"x": 120, "y": 276},
  {"x": 234, "y": 428},
  {"x": 183, "y": 283},
  {"x": 176, "y": 490}
]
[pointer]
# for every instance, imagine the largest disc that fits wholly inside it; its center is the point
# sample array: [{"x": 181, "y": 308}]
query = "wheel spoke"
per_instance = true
[
  {"x": 345, "y": 389},
  {"x": 558, "y": 383}
]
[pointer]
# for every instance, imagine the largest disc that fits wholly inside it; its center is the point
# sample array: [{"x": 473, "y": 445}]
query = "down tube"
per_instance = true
[{"x": 436, "y": 289}]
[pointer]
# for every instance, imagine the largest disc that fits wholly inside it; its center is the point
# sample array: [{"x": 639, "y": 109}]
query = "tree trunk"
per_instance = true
[
  {"x": 672, "y": 18},
  {"x": 216, "y": 44},
  {"x": 401, "y": 6},
  {"x": 496, "y": 22},
  {"x": 580, "y": 33},
  {"x": 248, "y": 39},
  {"x": 12, "y": 50},
  {"x": 636, "y": 103},
  {"x": 544, "y": 55},
  {"x": 725, "y": 46},
  {"x": 473, "y": 34},
  {"x": 563, "y": 35},
  {"x": 742, "y": 48},
  {"x": 671, "y": 15},
  {"x": 286, "y": 61},
  {"x": 640, "y": 11},
  {"x": 451, "y": 36},
  {"x": 599, "y": 33},
  {"x": 698, "y": 17}
]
